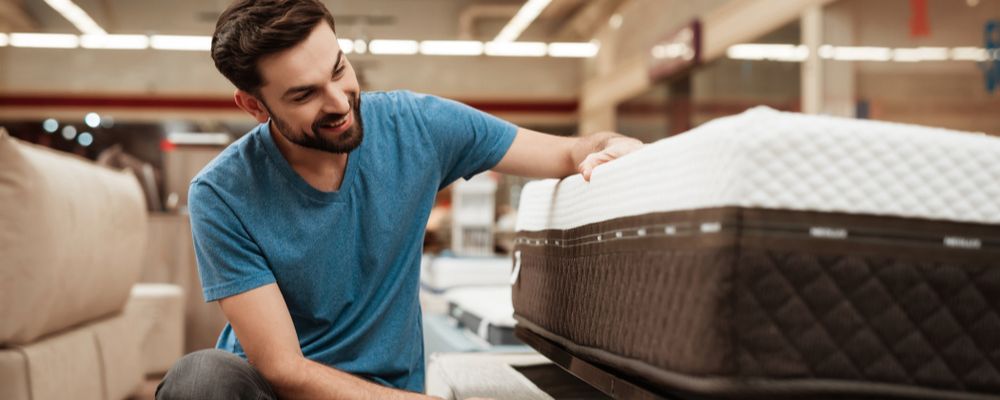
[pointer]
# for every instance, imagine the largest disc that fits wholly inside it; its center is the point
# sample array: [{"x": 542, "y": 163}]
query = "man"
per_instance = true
[{"x": 308, "y": 229}]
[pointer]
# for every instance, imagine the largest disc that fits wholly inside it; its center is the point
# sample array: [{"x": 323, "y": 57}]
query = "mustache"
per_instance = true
[
  {"x": 334, "y": 117},
  {"x": 331, "y": 118}
]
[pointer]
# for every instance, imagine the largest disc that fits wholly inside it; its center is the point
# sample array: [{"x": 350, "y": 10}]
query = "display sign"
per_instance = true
[{"x": 677, "y": 52}]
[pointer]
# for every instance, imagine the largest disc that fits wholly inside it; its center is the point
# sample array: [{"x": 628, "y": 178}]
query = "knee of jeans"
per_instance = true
[{"x": 211, "y": 374}]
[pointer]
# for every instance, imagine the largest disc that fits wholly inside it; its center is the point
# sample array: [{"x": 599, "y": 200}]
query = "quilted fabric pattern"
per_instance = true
[
  {"x": 880, "y": 319},
  {"x": 662, "y": 307},
  {"x": 769, "y": 159}
]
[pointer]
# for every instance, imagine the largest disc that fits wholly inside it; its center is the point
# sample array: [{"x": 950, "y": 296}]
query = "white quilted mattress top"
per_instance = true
[{"x": 769, "y": 159}]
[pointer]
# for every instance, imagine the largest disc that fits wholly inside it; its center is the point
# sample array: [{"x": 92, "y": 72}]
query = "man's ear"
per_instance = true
[{"x": 249, "y": 103}]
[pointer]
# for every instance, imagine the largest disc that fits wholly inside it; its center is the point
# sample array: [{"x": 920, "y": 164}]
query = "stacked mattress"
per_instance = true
[
  {"x": 484, "y": 311},
  {"x": 774, "y": 254},
  {"x": 439, "y": 274}
]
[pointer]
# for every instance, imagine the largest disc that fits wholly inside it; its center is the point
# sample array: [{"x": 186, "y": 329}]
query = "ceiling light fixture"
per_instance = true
[
  {"x": 120, "y": 42},
  {"x": 396, "y": 47},
  {"x": 798, "y": 53},
  {"x": 920, "y": 54},
  {"x": 178, "y": 42},
  {"x": 851, "y": 53},
  {"x": 516, "y": 49},
  {"x": 578, "y": 50},
  {"x": 360, "y": 46},
  {"x": 45, "y": 40},
  {"x": 346, "y": 45},
  {"x": 451, "y": 48},
  {"x": 771, "y": 52},
  {"x": 976, "y": 54},
  {"x": 525, "y": 16},
  {"x": 76, "y": 16}
]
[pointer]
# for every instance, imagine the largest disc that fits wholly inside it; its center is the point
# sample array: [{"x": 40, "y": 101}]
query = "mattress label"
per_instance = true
[
  {"x": 962, "y": 242},
  {"x": 827, "y": 232}
]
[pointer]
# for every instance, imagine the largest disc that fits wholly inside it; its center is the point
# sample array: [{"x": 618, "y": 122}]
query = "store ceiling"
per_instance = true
[{"x": 562, "y": 20}]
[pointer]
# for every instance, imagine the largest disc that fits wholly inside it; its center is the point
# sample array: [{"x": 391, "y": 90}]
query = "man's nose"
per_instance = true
[{"x": 336, "y": 101}]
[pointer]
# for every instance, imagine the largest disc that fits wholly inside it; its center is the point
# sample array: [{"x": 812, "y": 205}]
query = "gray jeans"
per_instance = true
[{"x": 213, "y": 375}]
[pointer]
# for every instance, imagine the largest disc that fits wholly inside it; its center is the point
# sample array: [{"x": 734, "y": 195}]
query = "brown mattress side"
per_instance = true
[
  {"x": 668, "y": 307},
  {"x": 747, "y": 294}
]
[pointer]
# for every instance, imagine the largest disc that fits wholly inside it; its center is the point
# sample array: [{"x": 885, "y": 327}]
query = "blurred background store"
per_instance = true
[{"x": 130, "y": 84}]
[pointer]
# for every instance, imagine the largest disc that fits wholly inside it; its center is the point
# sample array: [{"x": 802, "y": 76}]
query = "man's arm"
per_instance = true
[
  {"x": 261, "y": 320},
  {"x": 538, "y": 155}
]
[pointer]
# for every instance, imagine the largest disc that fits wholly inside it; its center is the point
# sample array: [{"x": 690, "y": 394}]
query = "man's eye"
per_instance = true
[
  {"x": 340, "y": 71},
  {"x": 302, "y": 97}
]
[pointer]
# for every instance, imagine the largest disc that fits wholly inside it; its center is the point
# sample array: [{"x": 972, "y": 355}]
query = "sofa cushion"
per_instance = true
[
  {"x": 67, "y": 364},
  {"x": 156, "y": 312},
  {"x": 99, "y": 360},
  {"x": 72, "y": 240}
]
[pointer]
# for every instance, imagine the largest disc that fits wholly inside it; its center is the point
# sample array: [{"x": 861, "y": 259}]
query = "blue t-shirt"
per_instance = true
[{"x": 347, "y": 262}]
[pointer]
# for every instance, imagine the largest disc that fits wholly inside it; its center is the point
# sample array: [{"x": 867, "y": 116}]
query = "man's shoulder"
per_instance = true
[
  {"x": 231, "y": 166},
  {"x": 396, "y": 100}
]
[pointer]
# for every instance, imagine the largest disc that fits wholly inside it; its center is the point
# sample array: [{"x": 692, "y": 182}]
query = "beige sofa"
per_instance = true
[{"x": 74, "y": 324}]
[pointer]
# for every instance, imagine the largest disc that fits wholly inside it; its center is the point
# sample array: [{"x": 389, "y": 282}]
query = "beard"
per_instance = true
[{"x": 343, "y": 142}]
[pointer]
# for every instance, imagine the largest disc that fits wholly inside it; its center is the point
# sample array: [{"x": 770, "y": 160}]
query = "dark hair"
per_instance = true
[{"x": 251, "y": 29}]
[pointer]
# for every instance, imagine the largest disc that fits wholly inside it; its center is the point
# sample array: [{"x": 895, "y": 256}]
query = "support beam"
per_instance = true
[
  {"x": 469, "y": 15},
  {"x": 812, "y": 68},
  {"x": 828, "y": 87},
  {"x": 735, "y": 22},
  {"x": 585, "y": 22},
  {"x": 743, "y": 20}
]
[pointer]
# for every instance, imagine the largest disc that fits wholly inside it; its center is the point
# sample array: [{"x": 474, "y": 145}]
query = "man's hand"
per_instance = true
[
  {"x": 538, "y": 155},
  {"x": 614, "y": 148}
]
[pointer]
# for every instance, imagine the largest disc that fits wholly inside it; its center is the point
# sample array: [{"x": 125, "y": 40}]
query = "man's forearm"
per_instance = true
[{"x": 311, "y": 380}]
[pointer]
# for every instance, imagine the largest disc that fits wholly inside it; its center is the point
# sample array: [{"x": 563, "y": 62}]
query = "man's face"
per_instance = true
[{"x": 312, "y": 94}]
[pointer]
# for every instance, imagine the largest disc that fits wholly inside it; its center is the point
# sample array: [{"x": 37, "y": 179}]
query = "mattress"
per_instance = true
[
  {"x": 774, "y": 254},
  {"x": 486, "y": 312},
  {"x": 438, "y": 274}
]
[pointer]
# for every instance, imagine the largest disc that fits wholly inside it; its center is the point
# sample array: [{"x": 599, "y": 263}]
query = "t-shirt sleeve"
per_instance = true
[
  {"x": 229, "y": 261},
  {"x": 468, "y": 141}
]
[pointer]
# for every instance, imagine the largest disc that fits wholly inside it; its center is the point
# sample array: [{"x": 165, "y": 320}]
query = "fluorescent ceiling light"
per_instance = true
[
  {"x": 516, "y": 49},
  {"x": 847, "y": 53},
  {"x": 825, "y": 51},
  {"x": 176, "y": 42},
  {"x": 771, "y": 52},
  {"x": 402, "y": 47},
  {"x": 525, "y": 16},
  {"x": 795, "y": 53},
  {"x": 572, "y": 50},
  {"x": 920, "y": 54},
  {"x": 44, "y": 40},
  {"x": 124, "y": 42},
  {"x": 4, "y": 39},
  {"x": 451, "y": 48},
  {"x": 346, "y": 45},
  {"x": 76, "y": 16},
  {"x": 360, "y": 46},
  {"x": 969, "y": 54}
]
